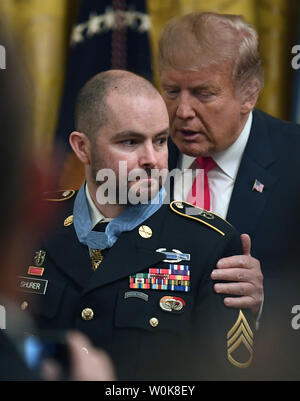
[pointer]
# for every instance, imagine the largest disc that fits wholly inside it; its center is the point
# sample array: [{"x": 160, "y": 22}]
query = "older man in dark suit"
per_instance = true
[{"x": 211, "y": 76}]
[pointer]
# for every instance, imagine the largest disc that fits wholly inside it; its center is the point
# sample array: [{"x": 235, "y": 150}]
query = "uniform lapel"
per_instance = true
[
  {"x": 70, "y": 255},
  {"x": 247, "y": 204},
  {"x": 130, "y": 254}
]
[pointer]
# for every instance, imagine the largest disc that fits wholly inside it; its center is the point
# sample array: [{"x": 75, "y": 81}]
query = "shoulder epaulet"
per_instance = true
[
  {"x": 208, "y": 218},
  {"x": 59, "y": 196}
]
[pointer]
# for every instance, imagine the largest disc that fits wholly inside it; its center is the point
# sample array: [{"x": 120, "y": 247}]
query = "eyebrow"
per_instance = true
[
  {"x": 132, "y": 134},
  {"x": 165, "y": 132},
  {"x": 202, "y": 85},
  {"x": 205, "y": 86}
]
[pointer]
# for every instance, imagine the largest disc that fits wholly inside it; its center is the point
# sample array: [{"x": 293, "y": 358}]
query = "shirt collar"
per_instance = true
[
  {"x": 129, "y": 219},
  {"x": 96, "y": 215},
  {"x": 229, "y": 159}
]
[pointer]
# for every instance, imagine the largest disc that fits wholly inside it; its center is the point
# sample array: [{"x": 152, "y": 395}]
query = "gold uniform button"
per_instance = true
[
  {"x": 179, "y": 205},
  {"x": 87, "y": 314},
  {"x": 66, "y": 193},
  {"x": 24, "y": 305},
  {"x": 145, "y": 231},
  {"x": 153, "y": 322},
  {"x": 68, "y": 221}
]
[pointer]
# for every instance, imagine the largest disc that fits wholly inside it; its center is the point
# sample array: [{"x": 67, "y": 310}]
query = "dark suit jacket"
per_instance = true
[
  {"x": 190, "y": 343},
  {"x": 272, "y": 220}
]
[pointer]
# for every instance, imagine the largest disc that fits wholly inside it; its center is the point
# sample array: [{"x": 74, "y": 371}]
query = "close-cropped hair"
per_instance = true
[
  {"x": 92, "y": 111},
  {"x": 200, "y": 40},
  {"x": 91, "y": 107}
]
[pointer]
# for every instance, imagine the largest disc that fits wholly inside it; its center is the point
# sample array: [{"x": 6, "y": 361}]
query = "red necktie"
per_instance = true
[{"x": 199, "y": 193}]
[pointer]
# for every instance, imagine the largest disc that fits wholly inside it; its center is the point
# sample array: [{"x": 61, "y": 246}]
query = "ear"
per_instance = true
[
  {"x": 249, "y": 96},
  {"x": 81, "y": 146}
]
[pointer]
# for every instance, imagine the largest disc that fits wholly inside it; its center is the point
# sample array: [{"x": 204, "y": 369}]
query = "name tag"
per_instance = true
[{"x": 32, "y": 285}]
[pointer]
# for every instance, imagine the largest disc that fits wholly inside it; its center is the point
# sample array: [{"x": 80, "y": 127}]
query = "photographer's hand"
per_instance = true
[{"x": 87, "y": 362}]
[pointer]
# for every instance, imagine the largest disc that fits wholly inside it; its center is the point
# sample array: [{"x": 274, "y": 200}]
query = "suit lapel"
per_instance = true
[
  {"x": 247, "y": 204},
  {"x": 172, "y": 164},
  {"x": 173, "y": 155}
]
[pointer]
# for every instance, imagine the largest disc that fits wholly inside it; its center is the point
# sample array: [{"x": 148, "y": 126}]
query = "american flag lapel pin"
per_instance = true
[{"x": 258, "y": 186}]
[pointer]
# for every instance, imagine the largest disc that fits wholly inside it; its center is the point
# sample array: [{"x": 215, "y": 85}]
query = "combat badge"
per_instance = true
[
  {"x": 174, "y": 256},
  {"x": 171, "y": 304},
  {"x": 240, "y": 343}
]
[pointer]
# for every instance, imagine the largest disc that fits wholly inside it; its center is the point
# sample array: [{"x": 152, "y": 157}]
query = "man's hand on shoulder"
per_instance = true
[{"x": 244, "y": 277}]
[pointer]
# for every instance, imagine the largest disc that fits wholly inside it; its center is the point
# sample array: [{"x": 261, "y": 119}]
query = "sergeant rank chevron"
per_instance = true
[{"x": 240, "y": 343}]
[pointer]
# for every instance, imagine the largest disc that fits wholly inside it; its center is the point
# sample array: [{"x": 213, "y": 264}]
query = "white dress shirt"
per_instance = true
[{"x": 221, "y": 178}]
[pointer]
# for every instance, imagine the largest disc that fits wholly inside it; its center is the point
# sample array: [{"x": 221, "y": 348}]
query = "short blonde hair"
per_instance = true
[{"x": 199, "y": 40}]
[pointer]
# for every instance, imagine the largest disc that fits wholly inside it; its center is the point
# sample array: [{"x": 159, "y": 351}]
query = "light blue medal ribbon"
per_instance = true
[{"x": 126, "y": 221}]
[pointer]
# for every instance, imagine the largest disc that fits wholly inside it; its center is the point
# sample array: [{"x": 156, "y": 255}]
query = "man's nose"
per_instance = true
[
  {"x": 185, "y": 109},
  {"x": 148, "y": 157}
]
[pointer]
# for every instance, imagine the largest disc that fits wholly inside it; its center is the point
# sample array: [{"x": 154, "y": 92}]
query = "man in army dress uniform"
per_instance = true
[{"x": 135, "y": 278}]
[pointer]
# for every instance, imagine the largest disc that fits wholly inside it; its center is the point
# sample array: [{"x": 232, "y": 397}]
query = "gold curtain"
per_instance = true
[
  {"x": 272, "y": 23},
  {"x": 41, "y": 29}
]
